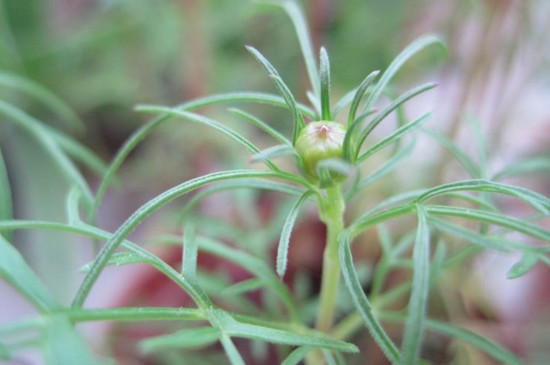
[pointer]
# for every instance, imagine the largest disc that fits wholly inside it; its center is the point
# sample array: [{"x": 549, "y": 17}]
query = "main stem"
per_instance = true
[{"x": 331, "y": 212}]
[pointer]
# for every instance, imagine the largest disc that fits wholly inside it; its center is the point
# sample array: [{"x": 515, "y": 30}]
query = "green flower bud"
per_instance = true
[{"x": 319, "y": 141}]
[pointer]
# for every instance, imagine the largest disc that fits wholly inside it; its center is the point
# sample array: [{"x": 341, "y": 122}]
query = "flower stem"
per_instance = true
[{"x": 331, "y": 212}]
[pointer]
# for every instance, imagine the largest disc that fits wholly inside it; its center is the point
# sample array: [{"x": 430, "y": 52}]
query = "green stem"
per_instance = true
[{"x": 331, "y": 212}]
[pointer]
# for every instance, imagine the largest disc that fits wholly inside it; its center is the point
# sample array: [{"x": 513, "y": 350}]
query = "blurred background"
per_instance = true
[{"x": 103, "y": 57}]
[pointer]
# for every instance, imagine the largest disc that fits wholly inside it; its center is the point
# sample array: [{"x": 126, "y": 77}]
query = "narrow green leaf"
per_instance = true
[
  {"x": 314, "y": 102},
  {"x": 187, "y": 338},
  {"x": 146, "y": 129},
  {"x": 482, "y": 343},
  {"x": 536, "y": 200},
  {"x": 15, "y": 271},
  {"x": 391, "y": 164},
  {"x": 118, "y": 259},
  {"x": 237, "y": 329},
  {"x": 134, "y": 314},
  {"x": 329, "y": 357},
  {"x": 284, "y": 241},
  {"x": 72, "y": 206},
  {"x": 300, "y": 25},
  {"x": 253, "y": 265},
  {"x": 400, "y": 132},
  {"x": 469, "y": 165},
  {"x": 241, "y": 97},
  {"x": 298, "y": 122},
  {"x": 531, "y": 165},
  {"x": 64, "y": 346},
  {"x": 412, "y": 49},
  {"x": 482, "y": 240},
  {"x": 518, "y": 225},
  {"x": 6, "y": 203},
  {"x": 36, "y": 129},
  {"x": 361, "y": 302},
  {"x": 148, "y": 208},
  {"x": 4, "y": 352},
  {"x": 44, "y": 96},
  {"x": 279, "y": 150},
  {"x": 324, "y": 73},
  {"x": 231, "y": 351},
  {"x": 241, "y": 184},
  {"x": 390, "y": 108},
  {"x": 297, "y": 355},
  {"x": 262, "y": 125},
  {"x": 196, "y": 292},
  {"x": 243, "y": 287},
  {"x": 298, "y": 119},
  {"x": 190, "y": 252},
  {"x": 336, "y": 165},
  {"x": 193, "y": 117},
  {"x": 353, "y": 123},
  {"x": 368, "y": 219},
  {"x": 523, "y": 266},
  {"x": 418, "y": 304},
  {"x": 78, "y": 151},
  {"x": 363, "y": 86}
]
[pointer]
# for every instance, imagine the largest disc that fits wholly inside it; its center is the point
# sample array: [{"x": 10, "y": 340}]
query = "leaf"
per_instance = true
[
  {"x": 64, "y": 346},
  {"x": 368, "y": 219},
  {"x": 240, "y": 97},
  {"x": 494, "y": 218},
  {"x": 324, "y": 73},
  {"x": 43, "y": 95},
  {"x": 279, "y": 150},
  {"x": 241, "y": 184},
  {"x": 190, "y": 253},
  {"x": 193, "y": 117},
  {"x": 482, "y": 343},
  {"x": 361, "y": 89},
  {"x": 297, "y": 355},
  {"x": 400, "y": 132},
  {"x": 243, "y": 287},
  {"x": 412, "y": 49},
  {"x": 389, "y": 109},
  {"x": 300, "y": 26},
  {"x": 146, "y": 129},
  {"x": 78, "y": 151},
  {"x": 418, "y": 303},
  {"x": 72, "y": 206},
  {"x": 194, "y": 291},
  {"x": 6, "y": 203},
  {"x": 4, "y": 352},
  {"x": 37, "y": 130},
  {"x": 536, "y": 200},
  {"x": 482, "y": 240},
  {"x": 118, "y": 259},
  {"x": 284, "y": 241},
  {"x": 361, "y": 302},
  {"x": 253, "y": 265},
  {"x": 15, "y": 271},
  {"x": 134, "y": 314},
  {"x": 388, "y": 167},
  {"x": 187, "y": 338},
  {"x": 523, "y": 266},
  {"x": 231, "y": 351},
  {"x": 469, "y": 165},
  {"x": 233, "y": 328},
  {"x": 535, "y": 164},
  {"x": 262, "y": 125},
  {"x": 348, "y": 146},
  {"x": 298, "y": 122},
  {"x": 148, "y": 208}
]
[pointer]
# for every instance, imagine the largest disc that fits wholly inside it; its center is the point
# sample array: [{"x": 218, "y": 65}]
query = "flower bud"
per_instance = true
[{"x": 319, "y": 141}]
